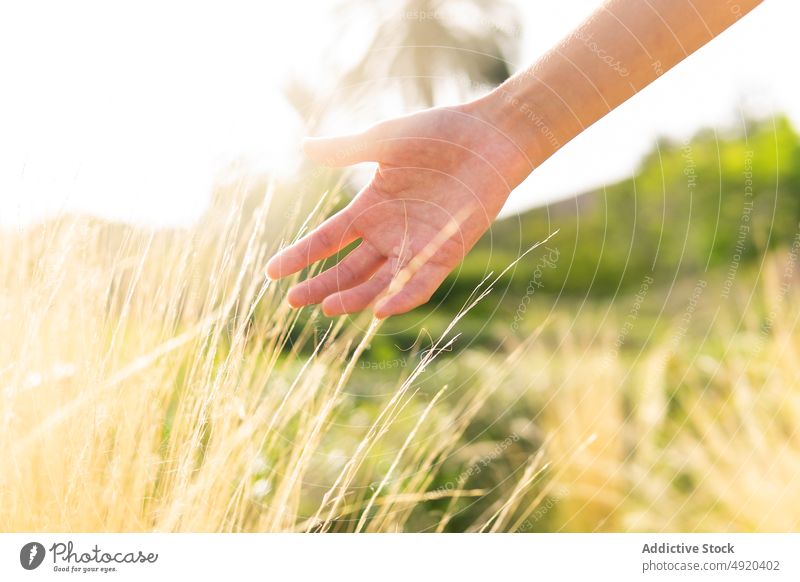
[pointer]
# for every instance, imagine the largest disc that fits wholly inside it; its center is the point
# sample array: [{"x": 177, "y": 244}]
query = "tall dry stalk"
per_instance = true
[{"x": 156, "y": 381}]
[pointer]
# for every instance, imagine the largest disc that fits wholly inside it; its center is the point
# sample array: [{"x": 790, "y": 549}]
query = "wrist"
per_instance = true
[{"x": 519, "y": 116}]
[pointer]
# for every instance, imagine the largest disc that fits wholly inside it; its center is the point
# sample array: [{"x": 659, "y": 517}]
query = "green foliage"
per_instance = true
[{"x": 689, "y": 207}]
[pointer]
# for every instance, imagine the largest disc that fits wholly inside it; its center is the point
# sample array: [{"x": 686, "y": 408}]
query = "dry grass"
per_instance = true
[
  {"x": 700, "y": 431},
  {"x": 156, "y": 381}
]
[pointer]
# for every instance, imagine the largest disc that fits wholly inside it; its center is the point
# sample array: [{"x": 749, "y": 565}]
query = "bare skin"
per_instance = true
[{"x": 444, "y": 174}]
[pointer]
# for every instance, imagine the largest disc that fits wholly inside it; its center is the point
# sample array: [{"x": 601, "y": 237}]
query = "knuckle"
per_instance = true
[
  {"x": 344, "y": 273},
  {"x": 323, "y": 237}
]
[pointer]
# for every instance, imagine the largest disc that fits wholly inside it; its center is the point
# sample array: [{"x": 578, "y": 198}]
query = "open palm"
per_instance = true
[{"x": 442, "y": 177}]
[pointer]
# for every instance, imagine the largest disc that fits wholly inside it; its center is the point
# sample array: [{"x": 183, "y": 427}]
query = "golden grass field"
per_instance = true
[{"x": 156, "y": 381}]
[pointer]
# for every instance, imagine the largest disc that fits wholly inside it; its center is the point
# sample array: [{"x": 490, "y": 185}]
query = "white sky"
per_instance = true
[{"x": 129, "y": 112}]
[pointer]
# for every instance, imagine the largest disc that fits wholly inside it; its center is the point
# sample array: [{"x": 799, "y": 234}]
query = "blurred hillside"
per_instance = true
[{"x": 686, "y": 210}]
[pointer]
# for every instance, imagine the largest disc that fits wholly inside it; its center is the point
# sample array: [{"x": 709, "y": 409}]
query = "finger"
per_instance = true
[
  {"x": 329, "y": 237},
  {"x": 417, "y": 291},
  {"x": 344, "y": 150},
  {"x": 355, "y": 268},
  {"x": 359, "y": 297}
]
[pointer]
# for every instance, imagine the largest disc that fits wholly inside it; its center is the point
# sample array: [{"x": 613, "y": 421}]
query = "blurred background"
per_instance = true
[
  {"x": 133, "y": 113},
  {"x": 670, "y": 279},
  {"x": 148, "y": 115}
]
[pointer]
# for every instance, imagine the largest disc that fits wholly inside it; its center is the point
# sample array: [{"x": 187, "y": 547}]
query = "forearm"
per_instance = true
[{"x": 619, "y": 50}]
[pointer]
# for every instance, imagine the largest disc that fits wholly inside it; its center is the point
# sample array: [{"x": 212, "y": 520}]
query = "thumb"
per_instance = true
[{"x": 344, "y": 150}]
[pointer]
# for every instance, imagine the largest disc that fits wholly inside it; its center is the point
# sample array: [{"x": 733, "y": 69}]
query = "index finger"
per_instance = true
[{"x": 328, "y": 238}]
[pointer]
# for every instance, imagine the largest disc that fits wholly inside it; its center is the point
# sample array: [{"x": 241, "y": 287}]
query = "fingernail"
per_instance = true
[
  {"x": 271, "y": 265},
  {"x": 292, "y": 299},
  {"x": 378, "y": 310}
]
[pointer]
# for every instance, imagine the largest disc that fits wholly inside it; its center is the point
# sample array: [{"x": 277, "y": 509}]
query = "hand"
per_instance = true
[{"x": 443, "y": 175}]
